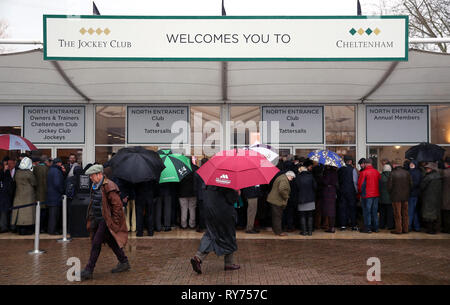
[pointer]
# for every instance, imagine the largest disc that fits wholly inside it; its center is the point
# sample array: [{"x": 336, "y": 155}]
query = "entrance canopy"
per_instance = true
[{"x": 27, "y": 78}]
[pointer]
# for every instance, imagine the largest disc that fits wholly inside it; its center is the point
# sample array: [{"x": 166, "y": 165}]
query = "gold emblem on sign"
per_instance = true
[
  {"x": 360, "y": 31},
  {"x": 377, "y": 31},
  {"x": 91, "y": 31}
]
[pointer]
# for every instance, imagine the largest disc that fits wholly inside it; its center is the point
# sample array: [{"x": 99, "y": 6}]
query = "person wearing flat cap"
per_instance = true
[
  {"x": 106, "y": 221},
  {"x": 431, "y": 194}
]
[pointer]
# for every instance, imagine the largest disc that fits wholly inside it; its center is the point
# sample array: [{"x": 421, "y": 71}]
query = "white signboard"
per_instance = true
[
  {"x": 158, "y": 124},
  {"x": 225, "y": 38},
  {"x": 54, "y": 124},
  {"x": 397, "y": 124},
  {"x": 297, "y": 124}
]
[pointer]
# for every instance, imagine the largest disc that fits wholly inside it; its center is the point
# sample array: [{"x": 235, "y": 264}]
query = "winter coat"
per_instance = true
[
  {"x": 25, "y": 194},
  {"x": 186, "y": 187},
  {"x": 55, "y": 186},
  {"x": 252, "y": 192},
  {"x": 40, "y": 172},
  {"x": 306, "y": 187},
  {"x": 346, "y": 185},
  {"x": 384, "y": 192},
  {"x": 329, "y": 192},
  {"x": 368, "y": 182},
  {"x": 112, "y": 212},
  {"x": 431, "y": 194},
  {"x": 399, "y": 184},
  {"x": 281, "y": 189},
  {"x": 416, "y": 176},
  {"x": 6, "y": 190},
  {"x": 446, "y": 189},
  {"x": 220, "y": 219},
  {"x": 200, "y": 187}
]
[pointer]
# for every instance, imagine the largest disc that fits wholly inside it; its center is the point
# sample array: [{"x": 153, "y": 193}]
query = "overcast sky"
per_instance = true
[{"x": 24, "y": 17}]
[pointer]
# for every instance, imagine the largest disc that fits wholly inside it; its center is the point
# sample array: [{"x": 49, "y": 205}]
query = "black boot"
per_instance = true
[
  {"x": 86, "y": 275},
  {"x": 121, "y": 267},
  {"x": 309, "y": 225},
  {"x": 303, "y": 225}
]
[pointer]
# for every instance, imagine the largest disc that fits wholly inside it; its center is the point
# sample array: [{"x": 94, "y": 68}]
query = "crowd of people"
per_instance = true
[{"x": 304, "y": 196}]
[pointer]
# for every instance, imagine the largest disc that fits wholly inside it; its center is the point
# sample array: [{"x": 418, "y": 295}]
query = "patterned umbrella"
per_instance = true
[
  {"x": 177, "y": 166},
  {"x": 13, "y": 142},
  {"x": 326, "y": 157},
  {"x": 267, "y": 151}
]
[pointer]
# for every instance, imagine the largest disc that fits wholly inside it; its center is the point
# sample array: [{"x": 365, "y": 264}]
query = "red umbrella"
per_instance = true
[
  {"x": 237, "y": 169},
  {"x": 13, "y": 142}
]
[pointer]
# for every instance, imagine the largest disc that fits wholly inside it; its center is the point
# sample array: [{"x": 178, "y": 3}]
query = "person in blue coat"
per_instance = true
[{"x": 55, "y": 192}]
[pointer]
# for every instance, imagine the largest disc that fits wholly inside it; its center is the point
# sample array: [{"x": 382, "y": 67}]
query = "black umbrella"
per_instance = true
[
  {"x": 137, "y": 164},
  {"x": 425, "y": 152}
]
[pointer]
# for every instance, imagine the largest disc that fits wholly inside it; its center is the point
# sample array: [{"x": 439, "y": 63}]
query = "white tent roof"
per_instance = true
[{"x": 27, "y": 78}]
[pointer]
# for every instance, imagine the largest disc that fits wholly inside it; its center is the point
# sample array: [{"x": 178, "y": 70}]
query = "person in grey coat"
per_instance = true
[
  {"x": 385, "y": 207},
  {"x": 220, "y": 235},
  {"x": 431, "y": 194}
]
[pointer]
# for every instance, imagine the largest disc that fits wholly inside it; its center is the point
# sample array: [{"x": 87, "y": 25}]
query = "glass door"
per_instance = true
[{"x": 65, "y": 155}]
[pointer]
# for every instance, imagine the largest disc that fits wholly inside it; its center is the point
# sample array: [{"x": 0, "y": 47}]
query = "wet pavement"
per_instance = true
[{"x": 263, "y": 262}]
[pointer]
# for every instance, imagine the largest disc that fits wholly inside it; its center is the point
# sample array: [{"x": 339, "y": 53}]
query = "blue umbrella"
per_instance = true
[{"x": 326, "y": 157}]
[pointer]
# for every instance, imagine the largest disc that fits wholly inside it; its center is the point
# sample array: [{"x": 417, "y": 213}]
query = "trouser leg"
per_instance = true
[
  {"x": 374, "y": 213},
  {"x": 112, "y": 243},
  {"x": 201, "y": 255},
  {"x": 366, "y": 213},
  {"x": 277, "y": 214},
  {"x": 331, "y": 222},
  {"x": 139, "y": 216},
  {"x": 97, "y": 241},
  {"x": 397, "y": 207},
  {"x": 405, "y": 219},
  {"x": 383, "y": 218},
  {"x": 302, "y": 216},
  {"x": 150, "y": 211},
  {"x": 309, "y": 221},
  {"x": 53, "y": 219},
  {"x": 228, "y": 259},
  {"x": 4, "y": 221},
  {"x": 167, "y": 207},
  {"x": 251, "y": 212},
  {"x": 157, "y": 211},
  {"x": 318, "y": 214},
  {"x": 184, "y": 209},
  {"x": 343, "y": 208},
  {"x": 192, "y": 205}
]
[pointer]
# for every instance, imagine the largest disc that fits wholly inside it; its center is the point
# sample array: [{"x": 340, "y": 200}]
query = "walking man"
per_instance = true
[
  {"x": 220, "y": 235},
  {"x": 106, "y": 221}
]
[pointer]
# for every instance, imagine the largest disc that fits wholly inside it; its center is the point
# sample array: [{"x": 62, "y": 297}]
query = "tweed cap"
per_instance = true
[
  {"x": 94, "y": 169},
  {"x": 431, "y": 165}
]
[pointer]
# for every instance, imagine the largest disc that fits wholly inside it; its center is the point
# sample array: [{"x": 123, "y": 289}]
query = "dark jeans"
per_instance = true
[
  {"x": 413, "y": 214},
  {"x": 44, "y": 219},
  {"x": 54, "y": 215},
  {"x": 306, "y": 220},
  {"x": 386, "y": 216},
  {"x": 289, "y": 215},
  {"x": 144, "y": 203},
  {"x": 370, "y": 213},
  {"x": 347, "y": 210},
  {"x": 101, "y": 235}
]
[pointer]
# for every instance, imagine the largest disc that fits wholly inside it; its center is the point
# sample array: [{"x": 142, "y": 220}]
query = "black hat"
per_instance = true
[
  {"x": 35, "y": 159},
  {"x": 57, "y": 160},
  {"x": 5, "y": 159},
  {"x": 308, "y": 162},
  {"x": 361, "y": 161},
  {"x": 347, "y": 158}
]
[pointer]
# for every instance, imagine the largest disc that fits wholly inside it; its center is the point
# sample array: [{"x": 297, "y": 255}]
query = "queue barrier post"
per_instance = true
[
  {"x": 37, "y": 230},
  {"x": 64, "y": 222}
]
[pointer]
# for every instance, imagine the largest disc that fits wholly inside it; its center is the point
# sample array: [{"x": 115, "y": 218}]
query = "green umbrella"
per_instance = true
[{"x": 177, "y": 166}]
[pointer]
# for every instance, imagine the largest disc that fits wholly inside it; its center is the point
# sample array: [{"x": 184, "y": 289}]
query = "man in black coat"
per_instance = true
[
  {"x": 220, "y": 235},
  {"x": 144, "y": 201},
  {"x": 348, "y": 188}
]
